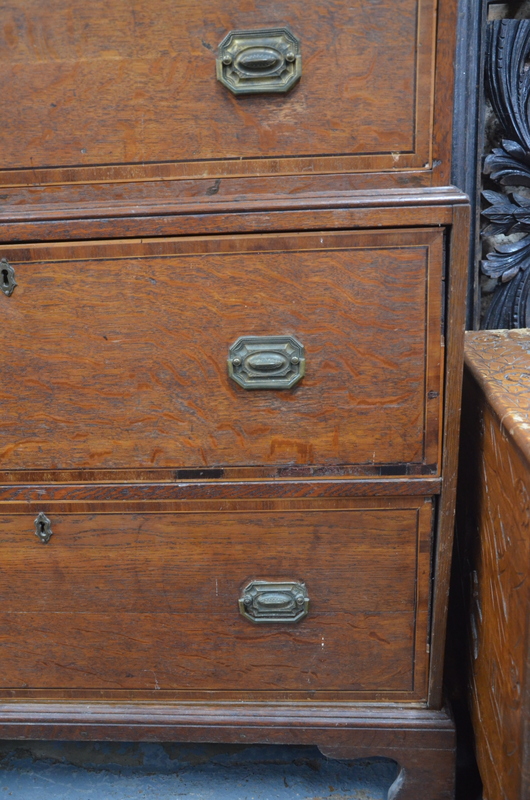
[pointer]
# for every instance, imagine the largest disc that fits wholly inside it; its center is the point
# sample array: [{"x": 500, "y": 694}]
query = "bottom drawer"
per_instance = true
[{"x": 152, "y": 602}]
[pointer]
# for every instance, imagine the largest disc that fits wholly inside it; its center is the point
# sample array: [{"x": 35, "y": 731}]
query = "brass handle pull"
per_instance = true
[
  {"x": 266, "y": 362},
  {"x": 7, "y": 277},
  {"x": 262, "y": 601},
  {"x": 251, "y": 62}
]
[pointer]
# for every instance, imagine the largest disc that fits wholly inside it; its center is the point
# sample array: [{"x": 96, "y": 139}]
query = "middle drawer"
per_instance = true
[{"x": 119, "y": 353}]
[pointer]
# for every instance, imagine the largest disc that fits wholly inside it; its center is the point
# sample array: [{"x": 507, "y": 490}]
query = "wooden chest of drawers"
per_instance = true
[{"x": 232, "y": 348}]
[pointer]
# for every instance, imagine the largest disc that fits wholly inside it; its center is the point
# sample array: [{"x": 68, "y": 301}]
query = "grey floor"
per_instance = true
[{"x": 121, "y": 771}]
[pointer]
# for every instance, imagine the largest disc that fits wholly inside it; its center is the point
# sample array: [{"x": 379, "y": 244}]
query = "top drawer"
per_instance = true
[{"x": 128, "y": 89}]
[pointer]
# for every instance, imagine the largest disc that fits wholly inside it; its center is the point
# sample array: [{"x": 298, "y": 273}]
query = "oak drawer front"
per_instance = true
[
  {"x": 135, "y": 84},
  {"x": 150, "y": 601},
  {"x": 118, "y": 352}
]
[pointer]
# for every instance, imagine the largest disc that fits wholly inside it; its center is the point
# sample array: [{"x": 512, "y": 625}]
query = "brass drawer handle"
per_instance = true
[
  {"x": 263, "y": 601},
  {"x": 266, "y": 362},
  {"x": 259, "y": 61},
  {"x": 7, "y": 277}
]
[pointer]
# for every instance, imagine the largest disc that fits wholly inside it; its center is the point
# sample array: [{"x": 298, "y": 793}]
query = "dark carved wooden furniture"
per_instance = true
[
  {"x": 233, "y": 277},
  {"x": 494, "y": 514},
  {"x": 508, "y": 212}
]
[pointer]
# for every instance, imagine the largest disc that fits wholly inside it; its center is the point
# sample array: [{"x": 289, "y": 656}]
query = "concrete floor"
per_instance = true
[{"x": 121, "y": 771}]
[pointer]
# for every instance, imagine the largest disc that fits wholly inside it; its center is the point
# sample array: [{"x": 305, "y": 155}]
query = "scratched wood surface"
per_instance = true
[
  {"x": 167, "y": 561},
  {"x": 154, "y": 651},
  {"x": 149, "y": 601},
  {"x": 118, "y": 352},
  {"x": 88, "y": 86},
  {"x": 495, "y": 502}
]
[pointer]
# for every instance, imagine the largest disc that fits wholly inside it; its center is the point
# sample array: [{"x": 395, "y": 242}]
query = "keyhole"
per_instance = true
[
  {"x": 43, "y": 528},
  {"x": 8, "y": 282}
]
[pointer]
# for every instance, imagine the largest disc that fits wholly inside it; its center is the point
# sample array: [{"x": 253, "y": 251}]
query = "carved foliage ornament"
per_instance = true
[{"x": 508, "y": 85}]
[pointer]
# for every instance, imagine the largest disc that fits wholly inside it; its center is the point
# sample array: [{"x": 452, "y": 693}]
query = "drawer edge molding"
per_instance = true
[
  {"x": 118, "y": 200},
  {"x": 152, "y": 715}
]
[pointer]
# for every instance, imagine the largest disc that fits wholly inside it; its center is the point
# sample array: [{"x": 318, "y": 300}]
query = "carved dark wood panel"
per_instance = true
[{"x": 508, "y": 86}]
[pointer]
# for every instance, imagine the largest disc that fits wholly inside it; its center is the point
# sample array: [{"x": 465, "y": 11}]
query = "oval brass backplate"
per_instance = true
[
  {"x": 265, "y": 601},
  {"x": 251, "y": 62},
  {"x": 266, "y": 362}
]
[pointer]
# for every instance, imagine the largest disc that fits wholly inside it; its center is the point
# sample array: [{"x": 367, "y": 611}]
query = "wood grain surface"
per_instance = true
[
  {"x": 494, "y": 525},
  {"x": 134, "y": 83},
  {"x": 257, "y": 504},
  {"x": 150, "y": 601},
  {"x": 500, "y": 364},
  {"x": 454, "y": 359},
  {"x": 165, "y": 651},
  {"x": 175, "y": 208},
  {"x": 38, "y": 488},
  {"x": 127, "y": 201},
  {"x": 118, "y": 352},
  {"x": 188, "y": 563}
]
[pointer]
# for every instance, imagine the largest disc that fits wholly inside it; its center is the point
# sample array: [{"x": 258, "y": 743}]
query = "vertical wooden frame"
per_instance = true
[
  {"x": 468, "y": 133},
  {"x": 454, "y": 325}
]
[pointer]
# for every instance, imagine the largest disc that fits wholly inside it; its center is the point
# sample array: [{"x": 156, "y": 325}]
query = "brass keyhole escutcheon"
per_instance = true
[
  {"x": 43, "y": 528},
  {"x": 7, "y": 277}
]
